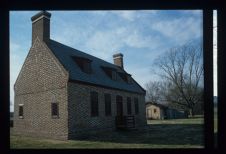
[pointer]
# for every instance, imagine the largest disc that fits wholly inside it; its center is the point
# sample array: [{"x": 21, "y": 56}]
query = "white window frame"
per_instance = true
[{"x": 21, "y": 117}]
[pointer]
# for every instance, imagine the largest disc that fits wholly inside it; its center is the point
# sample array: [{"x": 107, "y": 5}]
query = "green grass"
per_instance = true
[
  {"x": 179, "y": 133},
  {"x": 31, "y": 143},
  {"x": 178, "y": 121}
]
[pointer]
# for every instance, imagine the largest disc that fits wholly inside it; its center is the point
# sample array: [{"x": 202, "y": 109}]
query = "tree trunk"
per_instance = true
[{"x": 191, "y": 112}]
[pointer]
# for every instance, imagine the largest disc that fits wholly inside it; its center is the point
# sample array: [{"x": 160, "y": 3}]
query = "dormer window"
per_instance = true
[
  {"x": 111, "y": 72},
  {"x": 129, "y": 79},
  {"x": 83, "y": 63},
  {"x": 126, "y": 77},
  {"x": 87, "y": 67},
  {"x": 113, "y": 75}
]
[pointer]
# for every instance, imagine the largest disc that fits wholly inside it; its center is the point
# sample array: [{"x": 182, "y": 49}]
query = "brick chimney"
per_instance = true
[
  {"x": 41, "y": 26},
  {"x": 118, "y": 59}
]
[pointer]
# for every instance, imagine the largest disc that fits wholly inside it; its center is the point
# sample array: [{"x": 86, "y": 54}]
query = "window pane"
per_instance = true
[
  {"x": 94, "y": 104},
  {"x": 107, "y": 104},
  {"x": 114, "y": 75},
  {"x": 55, "y": 109},
  {"x": 128, "y": 105},
  {"x": 87, "y": 67},
  {"x": 129, "y": 80},
  {"x": 21, "y": 111},
  {"x": 136, "y": 106},
  {"x": 119, "y": 105}
]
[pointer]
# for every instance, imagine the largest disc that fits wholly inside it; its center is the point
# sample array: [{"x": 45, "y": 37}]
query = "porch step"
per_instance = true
[{"x": 125, "y": 122}]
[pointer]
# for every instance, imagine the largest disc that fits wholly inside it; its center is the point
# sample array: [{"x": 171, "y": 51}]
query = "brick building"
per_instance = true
[{"x": 61, "y": 92}]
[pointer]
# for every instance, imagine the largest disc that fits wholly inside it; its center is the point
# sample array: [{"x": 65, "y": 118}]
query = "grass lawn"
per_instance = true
[
  {"x": 188, "y": 121},
  {"x": 179, "y": 133}
]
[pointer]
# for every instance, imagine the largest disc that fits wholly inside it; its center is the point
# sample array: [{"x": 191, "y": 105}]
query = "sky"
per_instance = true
[{"x": 140, "y": 35}]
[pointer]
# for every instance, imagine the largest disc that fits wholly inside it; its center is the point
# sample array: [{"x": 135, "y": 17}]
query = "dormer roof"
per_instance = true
[{"x": 65, "y": 55}]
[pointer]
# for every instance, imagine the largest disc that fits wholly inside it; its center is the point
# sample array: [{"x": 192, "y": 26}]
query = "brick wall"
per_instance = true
[
  {"x": 80, "y": 119},
  {"x": 41, "y": 81},
  {"x": 41, "y": 29}
]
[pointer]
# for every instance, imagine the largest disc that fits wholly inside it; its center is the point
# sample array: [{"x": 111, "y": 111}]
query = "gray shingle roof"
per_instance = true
[{"x": 98, "y": 76}]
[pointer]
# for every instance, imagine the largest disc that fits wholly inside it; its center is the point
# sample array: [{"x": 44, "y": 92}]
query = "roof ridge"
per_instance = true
[
  {"x": 65, "y": 53},
  {"x": 86, "y": 53}
]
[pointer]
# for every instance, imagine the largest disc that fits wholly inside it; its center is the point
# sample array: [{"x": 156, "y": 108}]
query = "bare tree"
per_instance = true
[
  {"x": 182, "y": 68},
  {"x": 153, "y": 89}
]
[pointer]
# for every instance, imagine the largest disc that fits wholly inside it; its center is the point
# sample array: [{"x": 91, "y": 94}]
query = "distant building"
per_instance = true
[
  {"x": 160, "y": 111},
  {"x": 155, "y": 111},
  {"x": 62, "y": 92}
]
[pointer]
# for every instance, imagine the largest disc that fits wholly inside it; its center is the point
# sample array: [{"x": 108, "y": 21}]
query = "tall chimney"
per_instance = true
[
  {"x": 41, "y": 26},
  {"x": 118, "y": 59}
]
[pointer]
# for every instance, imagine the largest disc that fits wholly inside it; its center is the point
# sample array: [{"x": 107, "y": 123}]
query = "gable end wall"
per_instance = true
[{"x": 41, "y": 81}]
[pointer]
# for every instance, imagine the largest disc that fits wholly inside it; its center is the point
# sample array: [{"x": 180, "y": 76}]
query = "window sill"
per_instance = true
[{"x": 55, "y": 117}]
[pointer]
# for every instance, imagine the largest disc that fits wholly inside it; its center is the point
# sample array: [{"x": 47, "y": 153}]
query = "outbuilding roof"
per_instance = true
[{"x": 157, "y": 104}]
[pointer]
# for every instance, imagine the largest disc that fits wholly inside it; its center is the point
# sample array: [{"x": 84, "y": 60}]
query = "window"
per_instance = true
[
  {"x": 129, "y": 106},
  {"x": 136, "y": 105},
  {"x": 83, "y": 63},
  {"x": 86, "y": 67},
  {"x": 21, "y": 111},
  {"x": 111, "y": 72},
  {"x": 114, "y": 75},
  {"x": 94, "y": 104},
  {"x": 55, "y": 110},
  {"x": 126, "y": 77},
  {"x": 119, "y": 105},
  {"x": 107, "y": 104},
  {"x": 129, "y": 80},
  {"x": 155, "y": 110}
]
